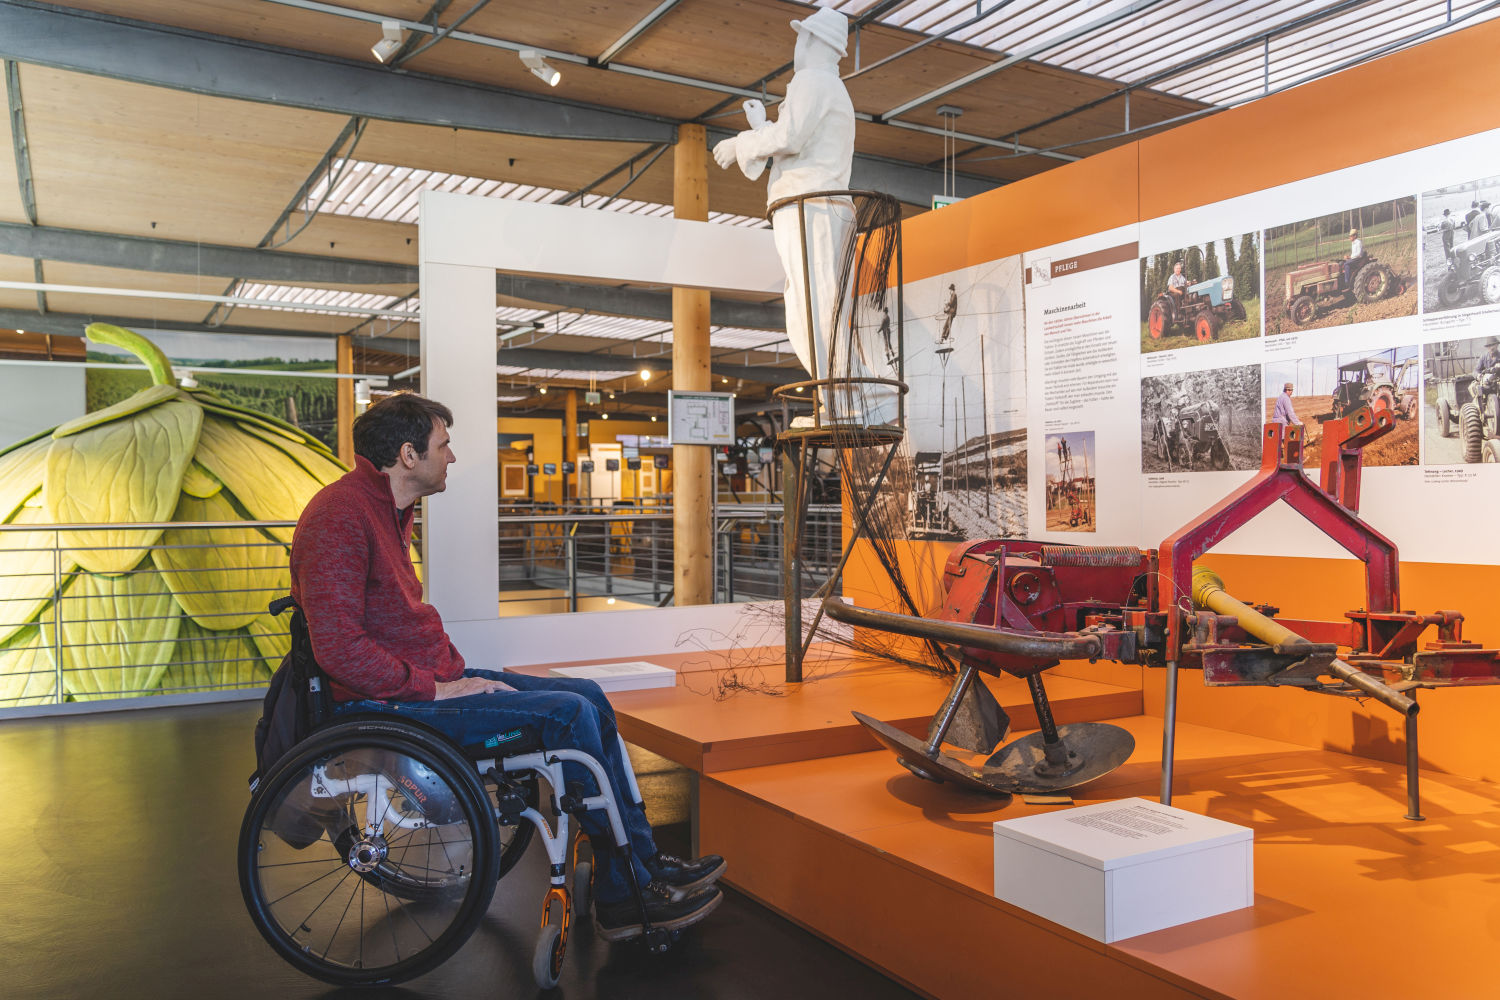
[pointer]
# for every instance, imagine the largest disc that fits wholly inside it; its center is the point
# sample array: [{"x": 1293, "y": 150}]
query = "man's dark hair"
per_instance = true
[{"x": 404, "y": 418}]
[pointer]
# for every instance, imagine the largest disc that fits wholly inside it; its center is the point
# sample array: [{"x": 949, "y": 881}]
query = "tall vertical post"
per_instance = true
[
  {"x": 570, "y": 446},
  {"x": 692, "y": 465},
  {"x": 344, "y": 410}
]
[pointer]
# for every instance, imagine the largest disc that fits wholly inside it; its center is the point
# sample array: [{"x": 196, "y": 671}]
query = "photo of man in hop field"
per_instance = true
[
  {"x": 1311, "y": 391},
  {"x": 1201, "y": 294},
  {"x": 1352, "y": 266}
]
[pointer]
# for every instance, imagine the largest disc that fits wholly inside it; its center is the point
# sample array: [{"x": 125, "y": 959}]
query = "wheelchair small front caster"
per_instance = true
[
  {"x": 546, "y": 961},
  {"x": 552, "y": 942}
]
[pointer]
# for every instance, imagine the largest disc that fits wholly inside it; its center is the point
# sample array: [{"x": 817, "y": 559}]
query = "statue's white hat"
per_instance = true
[{"x": 826, "y": 25}]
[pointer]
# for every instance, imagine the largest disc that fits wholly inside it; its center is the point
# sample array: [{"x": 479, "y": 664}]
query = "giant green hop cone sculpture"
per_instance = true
[{"x": 140, "y": 609}]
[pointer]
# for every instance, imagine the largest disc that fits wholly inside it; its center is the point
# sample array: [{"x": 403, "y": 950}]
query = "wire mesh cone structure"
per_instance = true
[{"x": 844, "y": 318}]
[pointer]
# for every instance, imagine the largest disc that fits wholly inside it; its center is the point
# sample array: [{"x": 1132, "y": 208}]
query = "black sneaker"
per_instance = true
[
  {"x": 621, "y": 921},
  {"x": 681, "y": 876}
]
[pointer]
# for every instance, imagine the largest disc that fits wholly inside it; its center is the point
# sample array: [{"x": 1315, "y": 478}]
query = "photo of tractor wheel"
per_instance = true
[
  {"x": 1450, "y": 290},
  {"x": 1302, "y": 310},
  {"x": 1383, "y": 399},
  {"x": 1489, "y": 285},
  {"x": 1156, "y": 320},
  {"x": 1471, "y": 429},
  {"x": 1492, "y": 450},
  {"x": 1373, "y": 283},
  {"x": 1206, "y": 327}
]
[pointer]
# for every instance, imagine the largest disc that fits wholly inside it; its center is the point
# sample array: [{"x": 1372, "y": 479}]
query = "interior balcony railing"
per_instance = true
[{"x": 92, "y": 614}]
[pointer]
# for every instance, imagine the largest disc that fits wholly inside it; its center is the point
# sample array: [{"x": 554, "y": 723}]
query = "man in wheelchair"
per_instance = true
[{"x": 385, "y": 650}]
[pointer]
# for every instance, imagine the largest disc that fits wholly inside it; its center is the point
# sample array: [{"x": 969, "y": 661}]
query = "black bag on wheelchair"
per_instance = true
[{"x": 297, "y": 700}]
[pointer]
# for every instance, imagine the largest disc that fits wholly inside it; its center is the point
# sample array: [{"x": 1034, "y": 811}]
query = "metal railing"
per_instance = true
[
  {"x": 93, "y": 612},
  {"x": 105, "y": 611}
]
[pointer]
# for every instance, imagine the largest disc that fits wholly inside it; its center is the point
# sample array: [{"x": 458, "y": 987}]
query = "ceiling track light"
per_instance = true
[
  {"x": 539, "y": 68},
  {"x": 390, "y": 41}
]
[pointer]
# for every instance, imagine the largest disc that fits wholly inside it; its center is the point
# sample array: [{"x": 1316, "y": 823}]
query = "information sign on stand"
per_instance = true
[
  {"x": 1113, "y": 870},
  {"x": 701, "y": 417}
]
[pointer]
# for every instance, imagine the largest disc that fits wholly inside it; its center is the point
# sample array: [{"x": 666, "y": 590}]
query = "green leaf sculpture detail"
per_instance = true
[{"x": 146, "y": 610}]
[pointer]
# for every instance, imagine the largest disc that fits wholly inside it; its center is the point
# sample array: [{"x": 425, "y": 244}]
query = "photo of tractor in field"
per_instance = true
[
  {"x": 1357, "y": 265},
  {"x": 1377, "y": 383},
  {"x": 1200, "y": 312},
  {"x": 1314, "y": 288},
  {"x": 1204, "y": 293},
  {"x": 1473, "y": 272},
  {"x": 1186, "y": 437},
  {"x": 1469, "y": 406}
]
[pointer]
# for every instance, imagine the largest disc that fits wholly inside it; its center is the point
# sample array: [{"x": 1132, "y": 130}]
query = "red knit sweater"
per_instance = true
[{"x": 352, "y": 575}]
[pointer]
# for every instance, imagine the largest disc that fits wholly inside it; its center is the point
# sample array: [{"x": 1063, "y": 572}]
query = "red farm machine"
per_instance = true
[{"x": 1020, "y": 607}]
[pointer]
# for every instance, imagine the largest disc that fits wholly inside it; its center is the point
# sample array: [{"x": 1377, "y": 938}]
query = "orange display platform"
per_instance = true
[
  {"x": 700, "y": 728},
  {"x": 1351, "y": 899}
]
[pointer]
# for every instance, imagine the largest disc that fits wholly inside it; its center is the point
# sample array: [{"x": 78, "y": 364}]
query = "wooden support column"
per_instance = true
[
  {"x": 692, "y": 465},
  {"x": 344, "y": 365},
  {"x": 570, "y": 445}
]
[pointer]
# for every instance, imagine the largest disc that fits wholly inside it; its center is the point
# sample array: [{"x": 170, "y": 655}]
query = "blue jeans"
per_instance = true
[{"x": 565, "y": 713}]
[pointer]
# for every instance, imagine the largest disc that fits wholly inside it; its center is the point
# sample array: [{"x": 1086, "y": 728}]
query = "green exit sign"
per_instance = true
[{"x": 944, "y": 200}]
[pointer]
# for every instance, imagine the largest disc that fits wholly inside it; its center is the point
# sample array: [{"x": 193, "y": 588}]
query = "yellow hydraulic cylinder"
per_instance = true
[{"x": 1209, "y": 594}]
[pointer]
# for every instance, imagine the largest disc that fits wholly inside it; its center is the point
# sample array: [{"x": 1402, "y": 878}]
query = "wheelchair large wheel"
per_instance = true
[{"x": 370, "y": 854}]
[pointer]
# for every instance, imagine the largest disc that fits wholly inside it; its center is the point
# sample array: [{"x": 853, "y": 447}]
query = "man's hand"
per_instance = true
[
  {"x": 465, "y": 686},
  {"x": 724, "y": 152}
]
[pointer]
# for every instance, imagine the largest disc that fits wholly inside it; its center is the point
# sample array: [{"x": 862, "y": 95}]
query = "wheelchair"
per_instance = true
[{"x": 371, "y": 850}]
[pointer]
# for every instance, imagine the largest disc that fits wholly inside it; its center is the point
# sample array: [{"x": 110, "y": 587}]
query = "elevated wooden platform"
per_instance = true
[{"x": 1352, "y": 899}]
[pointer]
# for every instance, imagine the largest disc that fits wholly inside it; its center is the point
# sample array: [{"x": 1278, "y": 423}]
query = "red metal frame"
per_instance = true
[{"x": 1281, "y": 478}]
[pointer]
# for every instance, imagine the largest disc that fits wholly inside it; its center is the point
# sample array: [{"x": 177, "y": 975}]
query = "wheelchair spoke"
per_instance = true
[
  {"x": 339, "y": 867},
  {"x": 334, "y": 934},
  {"x": 303, "y": 922}
]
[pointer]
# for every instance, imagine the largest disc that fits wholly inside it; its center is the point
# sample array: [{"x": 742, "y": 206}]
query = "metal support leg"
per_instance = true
[
  {"x": 1169, "y": 733},
  {"x": 960, "y": 688},
  {"x": 1413, "y": 797},
  {"x": 794, "y": 495}
]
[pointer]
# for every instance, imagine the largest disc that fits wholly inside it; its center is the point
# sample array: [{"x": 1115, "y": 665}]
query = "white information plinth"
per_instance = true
[{"x": 1117, "y": 869}]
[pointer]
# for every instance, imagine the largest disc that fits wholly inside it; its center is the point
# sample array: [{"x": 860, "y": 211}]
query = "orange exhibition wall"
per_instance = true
[{"x": 1431, "y": 93}]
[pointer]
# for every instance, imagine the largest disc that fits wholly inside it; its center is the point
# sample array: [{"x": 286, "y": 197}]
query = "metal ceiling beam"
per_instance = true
[
  {"x": 536, "y": 357},
  {"x": 199, "y": 63},
  {"x": 1088, "y": 27},
  {"x": 638, "y": 302},
  {"x": 636, "y": 30},
  {"x": 140, "y": 253},
  {"x": 23, "y": 164},
  {"x": 72, "y": 325}
]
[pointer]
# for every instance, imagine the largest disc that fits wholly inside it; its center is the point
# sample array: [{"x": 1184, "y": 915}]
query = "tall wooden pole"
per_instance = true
[
  {"x": 570, "y": 445},
  {"x": 344, "y": 410},
  {"x": 692, "y": 465}
]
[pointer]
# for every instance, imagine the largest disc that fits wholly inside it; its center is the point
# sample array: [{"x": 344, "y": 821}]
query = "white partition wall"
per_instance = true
[{"x": 464, "y": 241}]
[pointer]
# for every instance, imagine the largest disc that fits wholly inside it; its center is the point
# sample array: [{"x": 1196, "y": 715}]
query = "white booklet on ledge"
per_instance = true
[{"x": 629, "y": 676}]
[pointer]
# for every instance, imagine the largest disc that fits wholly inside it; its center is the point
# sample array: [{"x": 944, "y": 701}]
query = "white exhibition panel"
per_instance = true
[
  {"x": 463, "y": 241},
  {"x": 461, "y": 539},
  {"x": 570, "y": 241}
]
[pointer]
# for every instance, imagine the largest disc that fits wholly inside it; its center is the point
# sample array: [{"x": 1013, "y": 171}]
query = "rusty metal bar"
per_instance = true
[{"x": 1040, "y": 646}]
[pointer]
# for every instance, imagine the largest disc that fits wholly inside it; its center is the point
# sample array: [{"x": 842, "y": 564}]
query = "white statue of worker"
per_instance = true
[{"x": 811, "y": 147}]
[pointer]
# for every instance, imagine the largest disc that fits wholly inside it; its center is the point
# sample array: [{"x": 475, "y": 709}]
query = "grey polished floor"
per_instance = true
[{"x": 117, "y": 879}]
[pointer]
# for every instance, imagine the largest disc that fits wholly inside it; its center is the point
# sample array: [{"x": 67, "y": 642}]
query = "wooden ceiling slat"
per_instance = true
[{"x": 128, "y": 158}]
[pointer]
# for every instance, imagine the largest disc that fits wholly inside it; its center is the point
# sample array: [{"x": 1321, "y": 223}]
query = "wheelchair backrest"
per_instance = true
[{"x": 298, "y": 699}]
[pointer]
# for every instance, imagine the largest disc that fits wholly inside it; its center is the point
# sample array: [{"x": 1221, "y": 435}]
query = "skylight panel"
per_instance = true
[
  {"x": 292, "y": 298},
  {"x": 390, "y": 193}
]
